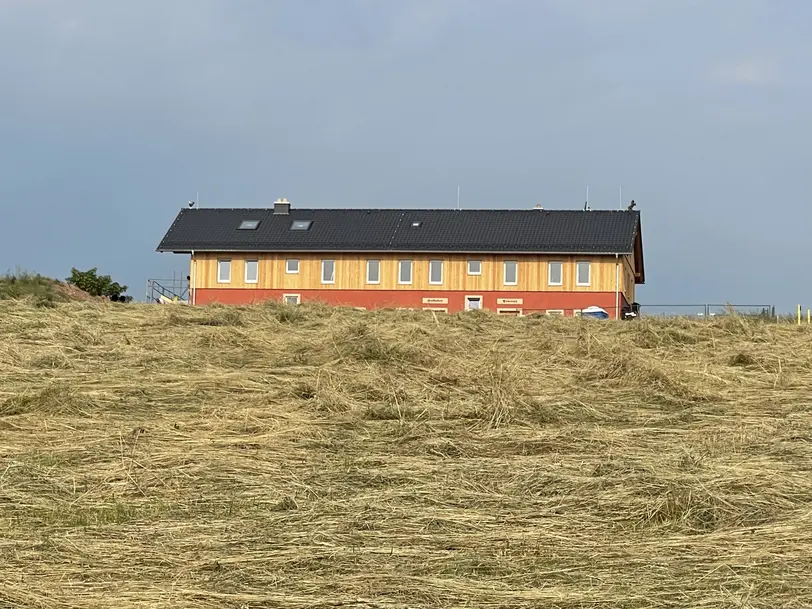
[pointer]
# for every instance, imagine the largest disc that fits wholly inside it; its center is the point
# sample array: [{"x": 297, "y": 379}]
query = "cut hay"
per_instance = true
[{"x": 276, "y": 456}]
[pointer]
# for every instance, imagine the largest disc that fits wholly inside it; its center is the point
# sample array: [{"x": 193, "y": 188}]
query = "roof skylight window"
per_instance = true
[
  {"x": 248, "y": 225},
  {"x": 301, "y": 224},
  {"x": 416, "y": 224}
]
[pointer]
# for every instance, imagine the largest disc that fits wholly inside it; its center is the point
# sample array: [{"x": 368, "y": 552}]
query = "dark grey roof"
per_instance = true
[{"x": 440, "y": 230}]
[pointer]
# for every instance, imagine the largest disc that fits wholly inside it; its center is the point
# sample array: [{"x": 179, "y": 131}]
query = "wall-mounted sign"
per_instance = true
[
  {"x": 435, "y": 301},
  {"x": 509, "y": 301}
]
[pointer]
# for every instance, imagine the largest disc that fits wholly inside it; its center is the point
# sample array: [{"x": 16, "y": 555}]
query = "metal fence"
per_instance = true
[{"x": 706, "y": 311}]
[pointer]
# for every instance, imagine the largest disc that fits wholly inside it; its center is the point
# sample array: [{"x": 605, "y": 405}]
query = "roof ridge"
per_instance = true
[{"x": 414, "y": 209}]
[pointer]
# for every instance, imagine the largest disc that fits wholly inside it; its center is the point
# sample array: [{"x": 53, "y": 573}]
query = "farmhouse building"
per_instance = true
[{"x": 509, "y": 261}]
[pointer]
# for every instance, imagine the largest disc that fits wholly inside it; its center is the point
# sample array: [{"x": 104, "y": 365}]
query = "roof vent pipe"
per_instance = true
[{"x": 281, "y": 207}]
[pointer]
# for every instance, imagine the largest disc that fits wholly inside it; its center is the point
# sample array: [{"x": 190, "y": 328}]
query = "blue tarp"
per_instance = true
[{"x": 595, "y": 312}]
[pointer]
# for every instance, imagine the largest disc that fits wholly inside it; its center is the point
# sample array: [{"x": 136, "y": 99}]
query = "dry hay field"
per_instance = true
[{"x": 306, "y": 457}]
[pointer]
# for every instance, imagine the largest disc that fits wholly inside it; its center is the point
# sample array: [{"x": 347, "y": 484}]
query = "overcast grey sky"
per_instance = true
[{"x": 113, "y": 114}]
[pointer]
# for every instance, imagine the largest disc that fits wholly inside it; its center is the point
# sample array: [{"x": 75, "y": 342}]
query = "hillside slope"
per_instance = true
[
  {"x": 43, "y": 291},
  {"x": 301, "y": 457}
]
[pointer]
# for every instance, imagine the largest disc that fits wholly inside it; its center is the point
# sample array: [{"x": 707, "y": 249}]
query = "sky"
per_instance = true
[{"x": 114, "y": 114}]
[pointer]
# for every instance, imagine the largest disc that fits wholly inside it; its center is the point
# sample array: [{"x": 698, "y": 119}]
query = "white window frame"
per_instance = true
[
  {"x": 369, "y": 281},
  {"x": 480, "y": 267},
  {"x": 578, "y": 281},
  {"x": 331, "y": 280},
  {"x": 550, "y": 273},
  {"x": 220, "y": 264},
  {"x": 298, "y": 298},
  {"x": 504, "y": 272},
  {"x": 247, "y": 263},
  {"x": 432, "y": 262},
  {"x": 469, "y": 297},
  {"x": 400, "y": 272},
  {"x": 287, "y": 266}
]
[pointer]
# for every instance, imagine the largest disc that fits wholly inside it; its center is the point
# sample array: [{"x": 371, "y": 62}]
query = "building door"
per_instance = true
[{"x": 473, "y": 302}]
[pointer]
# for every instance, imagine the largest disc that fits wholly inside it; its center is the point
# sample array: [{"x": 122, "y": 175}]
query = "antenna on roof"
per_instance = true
[
  {"x": 196, "y": 201},
  {"x": 620, "y": 198},
  {"x": 586, "y": 204},
  {"x": 458, "y": 197}
]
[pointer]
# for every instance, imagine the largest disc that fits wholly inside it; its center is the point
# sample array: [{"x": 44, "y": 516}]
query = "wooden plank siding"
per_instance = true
[{"x": 350, "y": 273}]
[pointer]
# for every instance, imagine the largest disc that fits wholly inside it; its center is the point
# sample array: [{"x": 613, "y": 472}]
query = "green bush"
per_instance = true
[{"x": 94, "y": 284}]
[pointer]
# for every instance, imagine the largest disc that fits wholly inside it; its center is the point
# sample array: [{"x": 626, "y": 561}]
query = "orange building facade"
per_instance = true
[{"x": 284, "y": 264}]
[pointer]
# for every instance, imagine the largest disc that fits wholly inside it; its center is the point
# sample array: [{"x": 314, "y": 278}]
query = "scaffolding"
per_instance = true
[{"x": 168, "y": 291}]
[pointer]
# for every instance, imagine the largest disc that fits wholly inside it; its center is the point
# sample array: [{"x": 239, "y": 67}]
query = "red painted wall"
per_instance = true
[{"x": 372, "y": 299}]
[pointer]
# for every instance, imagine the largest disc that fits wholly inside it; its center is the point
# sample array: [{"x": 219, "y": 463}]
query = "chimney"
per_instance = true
[{"x": 281, "y": 207}]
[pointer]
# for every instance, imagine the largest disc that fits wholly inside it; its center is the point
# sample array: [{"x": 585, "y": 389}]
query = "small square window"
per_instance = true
[
  {"x": 292, "y": 266},
  {"x": 248, "y": 225},
  {"x": 300, "y": 224},
  {"x": 583, "y": 276},
  {"x": 328, "y": 271},
  {"x": 555, "y": 273},
  {"x": 252, "y": 271},
  {"x": 417, "y": 224},
  {"x": 291, "y": 299},
  {"x": 224, "y": 271},
  {"x": 436, "y": 272},
  {"x": 373, "y": 271},
  {"x": 473, "y": 302},
  {"x": 474, "y": 267},
  {"x": 511, "y": 272},
  {"x": 405, "y": 272}
]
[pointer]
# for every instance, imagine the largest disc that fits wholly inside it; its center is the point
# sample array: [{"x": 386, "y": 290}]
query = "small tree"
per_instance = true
[{"x": 94, "y": 284}]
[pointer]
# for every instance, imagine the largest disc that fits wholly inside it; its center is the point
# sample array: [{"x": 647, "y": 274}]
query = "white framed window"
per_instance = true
[
  {"x": 291, "y": 299},
  {"x": 473, "y": 302},
  {"x": 474, "y": 267},
  {"x": 555, "y": 312},
  {"x": 328, "y": 271},
  {"x": 436, "y": 272},
  {"x": 583, "y": 272},
  {"x": 252, "y": 271},
  {"x": 373, "y": 271},
  {"x": 292, "y": 266},
  {"x": 404, "y": 272},
  {"x": 511, "y": 272},
  {"x": 555, "y": 273},
  {"x": 224, "y": 271}
]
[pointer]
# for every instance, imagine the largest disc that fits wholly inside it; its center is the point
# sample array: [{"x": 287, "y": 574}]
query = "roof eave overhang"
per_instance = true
[{"x": 233, "y": 250}]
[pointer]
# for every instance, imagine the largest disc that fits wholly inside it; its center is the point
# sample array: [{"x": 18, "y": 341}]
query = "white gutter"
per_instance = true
[
  {"x": 397, "y": 251},
  {"x": 194, "y": 278}
]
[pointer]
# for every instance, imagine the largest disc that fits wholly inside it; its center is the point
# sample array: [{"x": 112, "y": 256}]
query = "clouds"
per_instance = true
[
  {"x": 130, "y": 108},
  {"x": 748, "y": 71}
]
